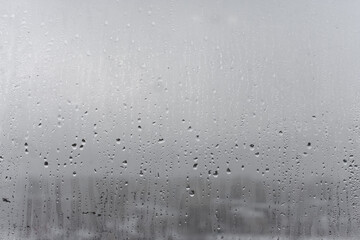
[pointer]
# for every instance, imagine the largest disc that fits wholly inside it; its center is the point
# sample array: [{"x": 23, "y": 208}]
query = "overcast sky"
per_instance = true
[{"x": 179, "y": 83}]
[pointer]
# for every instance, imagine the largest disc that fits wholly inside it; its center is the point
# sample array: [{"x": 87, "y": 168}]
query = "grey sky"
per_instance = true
[{"x": 274, "y": 74}]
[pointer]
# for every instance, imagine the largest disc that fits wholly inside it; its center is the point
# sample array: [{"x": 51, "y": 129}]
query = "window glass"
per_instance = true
[{"x": 179, "y": 119}]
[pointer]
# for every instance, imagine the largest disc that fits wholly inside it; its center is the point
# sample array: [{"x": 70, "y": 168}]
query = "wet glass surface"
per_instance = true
[{"x": 179, "y": 119}]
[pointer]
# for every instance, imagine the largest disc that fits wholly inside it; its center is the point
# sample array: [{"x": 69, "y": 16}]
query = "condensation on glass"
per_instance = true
[{"x": 179, "y": 119}]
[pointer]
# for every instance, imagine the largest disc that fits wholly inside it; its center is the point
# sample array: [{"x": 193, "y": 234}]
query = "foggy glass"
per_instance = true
[{"x": 179, "y": 120}]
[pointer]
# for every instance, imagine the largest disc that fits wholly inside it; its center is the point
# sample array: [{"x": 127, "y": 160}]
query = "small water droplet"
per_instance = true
[
  {"x": 118, "y": 140},
  {"x": 74, "y": 173},
  {"x": 195, "y": 166},
  {"x": 192, "y": 193},
  {"x": 46, "y": 164},
  {"x": 161, "y": 140},
  {"x": 74, "y": 146},
  {"x": 228, "y": 171},
  {"x": 252, "y": 147}
]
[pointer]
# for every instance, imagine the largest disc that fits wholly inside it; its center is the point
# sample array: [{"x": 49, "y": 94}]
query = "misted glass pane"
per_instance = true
[{"x": 179, "y": 120}]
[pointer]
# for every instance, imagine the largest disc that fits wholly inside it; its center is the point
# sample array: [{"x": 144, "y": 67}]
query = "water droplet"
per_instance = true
[
  {"x": 195, "y": 166},
  {"x": 74, "y": 146},
  {"x": 118, "y": 140},
  {"x": 46, "y": 164},
  {"x": 228, "y": 171},
  {"x": 74, "y": 173},
  {"x": 125, "y": 162},
  {"x": 252, "y": 147},
  {"x": 161, "y": 140},
  {"x": 192, "y": 193}
]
